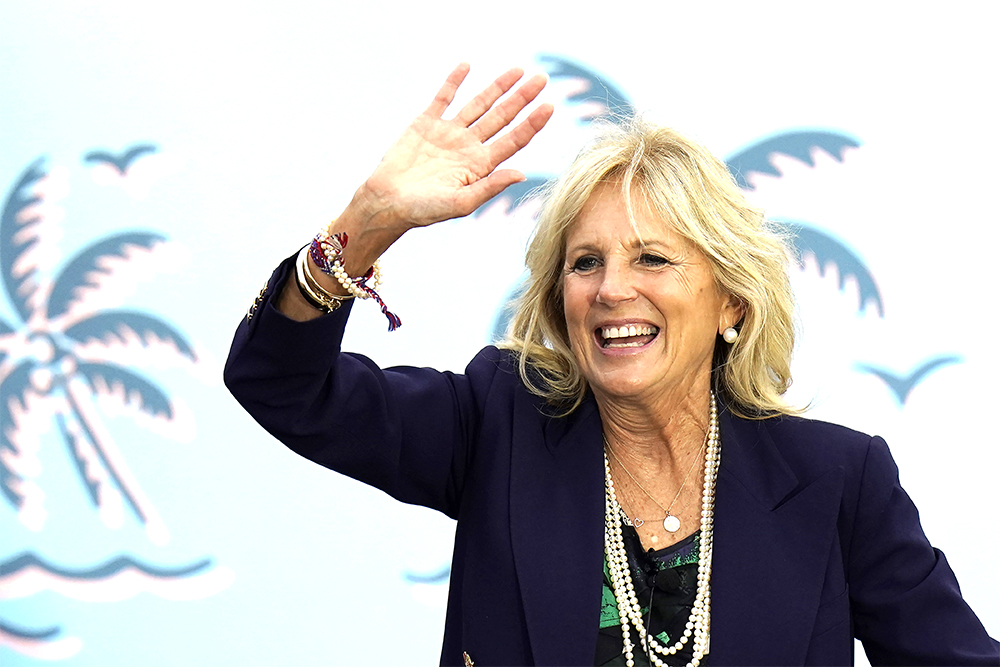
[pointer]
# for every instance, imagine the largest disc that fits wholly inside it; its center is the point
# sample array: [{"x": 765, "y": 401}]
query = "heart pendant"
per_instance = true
[
  {"x": 671, "y": 524},
  {"x": 637, "y": 522}
]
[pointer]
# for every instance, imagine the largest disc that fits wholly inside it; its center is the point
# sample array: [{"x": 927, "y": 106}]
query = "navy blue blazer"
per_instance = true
[{"x": 815, "y": 541}]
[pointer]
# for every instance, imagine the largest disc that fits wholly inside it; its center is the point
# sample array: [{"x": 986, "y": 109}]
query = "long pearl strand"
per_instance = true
[{"x": 629, "y": 610}]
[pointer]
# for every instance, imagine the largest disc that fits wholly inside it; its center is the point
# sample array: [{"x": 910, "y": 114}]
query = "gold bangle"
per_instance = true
[{"x": 312, "y": 291}]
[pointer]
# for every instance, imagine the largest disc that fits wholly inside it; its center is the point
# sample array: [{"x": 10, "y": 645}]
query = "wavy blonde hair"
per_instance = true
[{"x": 694, "y": 193}]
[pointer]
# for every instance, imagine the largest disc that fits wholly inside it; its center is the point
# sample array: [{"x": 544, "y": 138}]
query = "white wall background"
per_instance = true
[{"x": 266, "y": 116}]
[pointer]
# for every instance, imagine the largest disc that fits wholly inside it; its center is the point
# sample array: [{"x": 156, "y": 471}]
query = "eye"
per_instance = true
[
  {"x": 585, "y": 264},
  {"x": 651, "y": 259}
]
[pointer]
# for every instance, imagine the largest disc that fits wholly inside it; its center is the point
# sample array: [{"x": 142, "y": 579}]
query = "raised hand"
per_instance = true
[
  {"x": 441, "y": 169},
  {"x": 438, "y": 169}
]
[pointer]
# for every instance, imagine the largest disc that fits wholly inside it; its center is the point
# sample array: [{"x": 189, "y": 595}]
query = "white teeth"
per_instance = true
[
  {"x": 632, "y": 344},
  {"x": 627, "y": 331}
]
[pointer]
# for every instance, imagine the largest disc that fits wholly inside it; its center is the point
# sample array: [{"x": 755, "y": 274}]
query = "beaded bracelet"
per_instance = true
[
  {"x": 312, "y": 291},
  {"x": 327, "y": 251}
]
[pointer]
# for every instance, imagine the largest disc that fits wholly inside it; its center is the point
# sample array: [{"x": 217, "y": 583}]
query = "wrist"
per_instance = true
[
  {"x": 376, "y": 207},
  {"x": 326, "y": 252}
]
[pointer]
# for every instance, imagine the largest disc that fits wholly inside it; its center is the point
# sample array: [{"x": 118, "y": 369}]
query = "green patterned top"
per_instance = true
[{"x": 668, "y": 576}]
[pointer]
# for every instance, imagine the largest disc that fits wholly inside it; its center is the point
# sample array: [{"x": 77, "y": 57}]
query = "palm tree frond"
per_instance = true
[
  {"x": 799, "y": 144},
  {"x": 5, "y": 330},
  {"x": 12, "y": 404},
  {"x": 131, "y": 389},
  {"x": 116, "y": 326},
  {"x": 596, "y": 90},
  {"x": 86, "y": 267},
  {"x": 827, "y": 249},
  {"x": 19, "y": 236}
]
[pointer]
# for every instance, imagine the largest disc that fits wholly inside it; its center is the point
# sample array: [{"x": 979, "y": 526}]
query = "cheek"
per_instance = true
[{"x": 574, "y": 311}]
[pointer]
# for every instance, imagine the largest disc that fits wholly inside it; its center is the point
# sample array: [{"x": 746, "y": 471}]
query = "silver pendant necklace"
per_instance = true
[
  {"x": 671, "y": 523},
  {"x": 697, "y": 630}
]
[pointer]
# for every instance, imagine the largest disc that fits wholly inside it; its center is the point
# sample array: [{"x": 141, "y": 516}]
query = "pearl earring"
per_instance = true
[{"x": 730, "y": 335}]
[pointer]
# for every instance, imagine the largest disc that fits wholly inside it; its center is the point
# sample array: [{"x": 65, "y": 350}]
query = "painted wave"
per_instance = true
[
  {"x": 39, "y": 644},
  {"x": 118, "y": 578}
]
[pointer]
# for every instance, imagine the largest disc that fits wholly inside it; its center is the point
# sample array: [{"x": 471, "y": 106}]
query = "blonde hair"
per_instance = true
[{"x": 691, "y": 190}]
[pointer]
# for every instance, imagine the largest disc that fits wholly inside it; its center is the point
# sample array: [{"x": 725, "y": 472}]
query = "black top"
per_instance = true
[{"x": 668, "y": 576}]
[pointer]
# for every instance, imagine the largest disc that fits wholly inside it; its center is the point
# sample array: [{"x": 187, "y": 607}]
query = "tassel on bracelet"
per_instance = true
[{"x": 326, "y": 251}]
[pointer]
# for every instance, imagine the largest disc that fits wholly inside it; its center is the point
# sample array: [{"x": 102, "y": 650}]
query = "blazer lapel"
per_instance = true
[
  {"x": 557, "y": 530},
  {"x": 773, "y": 538}
]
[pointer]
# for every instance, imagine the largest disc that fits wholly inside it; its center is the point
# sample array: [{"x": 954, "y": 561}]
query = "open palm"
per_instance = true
[{"x": 440, "y": 169}]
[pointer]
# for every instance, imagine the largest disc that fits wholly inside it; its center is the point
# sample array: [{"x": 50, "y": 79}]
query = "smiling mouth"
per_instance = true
[{"x": 632, "y": 335}]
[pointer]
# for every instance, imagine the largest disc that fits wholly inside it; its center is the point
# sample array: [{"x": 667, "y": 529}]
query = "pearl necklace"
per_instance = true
[{"x": 621, "y": 577}]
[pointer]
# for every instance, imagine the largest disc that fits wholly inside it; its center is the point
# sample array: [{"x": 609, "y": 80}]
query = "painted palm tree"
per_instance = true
[
  {"x": 57, "y": 357},
  {"x": 595, "y": 97}
]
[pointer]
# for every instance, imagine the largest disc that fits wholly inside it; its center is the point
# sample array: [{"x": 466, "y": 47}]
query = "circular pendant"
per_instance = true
[{"x": 671, "y": 524}]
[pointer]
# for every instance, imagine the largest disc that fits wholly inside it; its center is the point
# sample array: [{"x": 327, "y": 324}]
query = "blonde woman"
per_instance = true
[{"x": 629, "y": 485}]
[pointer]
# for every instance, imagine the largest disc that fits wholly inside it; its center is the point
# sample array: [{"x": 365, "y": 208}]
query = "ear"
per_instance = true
[{"x": 732, "y": 312}]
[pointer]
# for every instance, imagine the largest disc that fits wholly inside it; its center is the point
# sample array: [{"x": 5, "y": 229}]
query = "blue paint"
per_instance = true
[
  {"x": 901, "y": 384},
  {"x": 599, "y": 89},
  {"x": 122, "y": 161},
  {"x": 109, "y": 568},
  {"x": 827, "y": 249},
  {"x": 798, "y": 144},
  {"x": 80, "y": 269}
]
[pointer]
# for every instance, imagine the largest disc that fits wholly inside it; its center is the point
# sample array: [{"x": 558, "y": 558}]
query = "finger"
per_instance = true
[
  {"x": 500, "y": 117},
  {"x": 485, "y": 189},
  {"x": 482, "y": 102},
  {"x": 447, "y": 91},
  {"x": 523, "y": 132}
]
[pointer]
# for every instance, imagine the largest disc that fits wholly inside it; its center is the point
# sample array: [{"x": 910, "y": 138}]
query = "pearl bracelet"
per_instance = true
[
  {"x": 312, "y": 291},
  {"x": 327, "y": 252}
]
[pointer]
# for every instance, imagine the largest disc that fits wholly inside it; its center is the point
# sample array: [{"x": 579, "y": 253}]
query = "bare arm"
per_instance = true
[{"x": 437, "y": 170}]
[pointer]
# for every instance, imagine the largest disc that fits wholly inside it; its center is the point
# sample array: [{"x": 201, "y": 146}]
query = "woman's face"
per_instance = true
[{"x": 642, "y": 319}]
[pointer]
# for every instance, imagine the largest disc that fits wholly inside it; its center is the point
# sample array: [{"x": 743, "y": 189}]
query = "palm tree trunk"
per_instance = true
[{"x": 110, "y": 456}]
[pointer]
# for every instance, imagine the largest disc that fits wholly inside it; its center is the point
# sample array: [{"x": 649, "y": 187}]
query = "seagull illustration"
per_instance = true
[
  {"x": 902, "y": 385},
  {"x": 827, "y": 250},
  {"x": 122, "y": 161},
  {"x": 799, "y": 144}
]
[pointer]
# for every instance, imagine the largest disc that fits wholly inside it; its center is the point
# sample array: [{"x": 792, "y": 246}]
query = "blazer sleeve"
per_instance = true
[
  {"x": 907, "y": 606},
  {"x": 407, "y": 431}
]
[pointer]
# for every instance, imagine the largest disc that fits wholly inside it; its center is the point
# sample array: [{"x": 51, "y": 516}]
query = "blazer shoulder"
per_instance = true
[
  {"x": 817, "y": 445},
  {"x": 802, "y": 430},
  {"x": 492, "y": 366}
]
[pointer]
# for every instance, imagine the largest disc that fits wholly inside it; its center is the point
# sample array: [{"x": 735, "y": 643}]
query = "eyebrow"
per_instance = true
[{"x": 635, "y": 244}]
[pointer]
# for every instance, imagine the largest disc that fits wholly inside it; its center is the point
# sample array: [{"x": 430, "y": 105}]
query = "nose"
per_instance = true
[{"x": 616, "y": 284}]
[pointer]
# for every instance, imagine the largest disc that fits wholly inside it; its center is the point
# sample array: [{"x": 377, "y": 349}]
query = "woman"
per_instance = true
[{"x": 629, "y": 485}]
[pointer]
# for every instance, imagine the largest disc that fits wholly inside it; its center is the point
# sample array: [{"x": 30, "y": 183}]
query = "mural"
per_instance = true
[
  {"x": 145, "y": 518},
  {"x": 64, "y": 359}
]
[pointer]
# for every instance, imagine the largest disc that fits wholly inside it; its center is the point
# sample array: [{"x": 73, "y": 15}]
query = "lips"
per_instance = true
[{"x": 626, "y": 335}]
